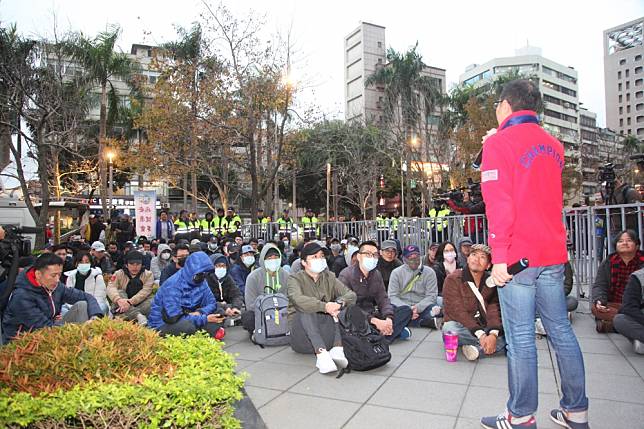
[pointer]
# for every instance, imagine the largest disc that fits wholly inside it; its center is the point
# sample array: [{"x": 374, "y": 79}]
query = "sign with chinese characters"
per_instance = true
[{"x": 145, "y": 213}]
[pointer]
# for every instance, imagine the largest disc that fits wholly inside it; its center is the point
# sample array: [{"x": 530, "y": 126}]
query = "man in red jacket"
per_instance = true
[{"x": 521, "y": 184}]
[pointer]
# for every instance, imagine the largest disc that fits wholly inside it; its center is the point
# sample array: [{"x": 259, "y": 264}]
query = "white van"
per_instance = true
[{"x": 15, "y": 212}]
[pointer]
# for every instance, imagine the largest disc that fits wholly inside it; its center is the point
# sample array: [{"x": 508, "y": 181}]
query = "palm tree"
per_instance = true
[{"x": 102, "y": 66}]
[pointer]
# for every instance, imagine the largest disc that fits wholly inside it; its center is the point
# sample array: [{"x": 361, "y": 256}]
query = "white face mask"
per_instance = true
[
  {"x": 165, "y": 256},
  {"x": 272, "y": 264},
  {"x": 369, "y": 263},
  {"x": 317, "y": 265},
  {"x": 351, "y": 248},
  {"x": 449, "y": 256},
  {"x": 83, "y": 268},
  {"x": 248, "y": 260},
  {"x": 220, "y": 273}
]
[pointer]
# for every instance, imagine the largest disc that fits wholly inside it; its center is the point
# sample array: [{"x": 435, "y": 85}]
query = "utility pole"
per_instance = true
[
  {"x": 328, "y": 189},
  {"x": 294, "y": 198}
]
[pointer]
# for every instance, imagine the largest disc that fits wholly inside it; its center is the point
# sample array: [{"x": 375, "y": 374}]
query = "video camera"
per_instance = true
[
  {"x": 13, "y": 247},
  {"x": 606, "y": 177},
  {"x": 473, "y": 188}
]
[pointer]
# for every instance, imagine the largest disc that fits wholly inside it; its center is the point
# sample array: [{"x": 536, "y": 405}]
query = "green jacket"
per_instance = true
[{"x": 307, "y": 296}]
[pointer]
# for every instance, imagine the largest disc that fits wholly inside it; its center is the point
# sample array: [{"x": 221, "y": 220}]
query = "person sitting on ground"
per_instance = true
[
  {"x": 472, "y": 309},
  {"x": 100, "y": 258},
  {"x": 612, "y": 276},
  {"x": 388, "y": 260},
  {"x": 430, "y": 259},
  {"x": 464, "y": 245},
  {"x": 130, "y": 290},
  {"x": 179, "y": 255},
  {"x": 243, "y": 267},
  {"x": 446, "y": 263},
  {"x": 269, "y": 277},
  {"x": 315, "y": 299},
  {"x": 90, "y": 280},
  {"x": 334, "y": 251},
  {"x": 223, "y": 287},
  {"x": 630, "y": 320},
  {"x": 366, "y": 282},
  {"x": 115, "y": 255},
  {"x": 414, "y": 285},
  {"x": 38, "y": 297},
  {"x": 161, "y": 260},
  {"x": 185, "y": 303}
]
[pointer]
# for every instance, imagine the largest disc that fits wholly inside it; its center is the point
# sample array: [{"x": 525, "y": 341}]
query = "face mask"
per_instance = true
[
  {"x": 317, "y": 265},
  {"x": 165, "y": 256},
  {"x": 286, "y": 244},
  {"x": 272, "y": 264},
  {"x": 336, "y": 248},
  {"x": 369, "y": 263},
  {"x": 351, "y": 248},
  {"x": 449, "y": 256},
  {"x": 181, "y": 261},
  {"x": 413, "y": 264},
  {"x": 84, "y": 268},
  {"x": 220, "y": 273},
  {"x": 212, "y": 246},
  {"x": 198, "y": 278},
  {"x": 248, "y": 260}
]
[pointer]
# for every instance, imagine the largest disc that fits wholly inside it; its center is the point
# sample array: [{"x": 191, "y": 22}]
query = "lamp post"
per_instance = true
[
  {"x": 403, "y": 170},
  {"x": 110, "y": 158}
]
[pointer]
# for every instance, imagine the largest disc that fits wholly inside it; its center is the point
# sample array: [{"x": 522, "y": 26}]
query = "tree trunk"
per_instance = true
[
  {"x": 102, "y": 134},
  {"x": 254, "y": 194},
  {"x": 43, "y": 175}
]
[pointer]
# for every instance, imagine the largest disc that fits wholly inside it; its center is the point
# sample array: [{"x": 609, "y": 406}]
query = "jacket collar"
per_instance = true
[
  {"x": 515, "y": 114},
  {"x": 467, "y": 276}
]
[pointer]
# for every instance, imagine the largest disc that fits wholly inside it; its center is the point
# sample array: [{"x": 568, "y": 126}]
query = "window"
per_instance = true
[
  {"x": 622, "y": 62},
  {"x": 628, "y": 122},
  {"x": 628, "y": 96},
  {"x": 619, "y": 74},
  {"x": 380, "y": 44},
  {"x": 638, "y": 58},
  {"x": 619, "y": 86},
  {"x": 638, "y": 70},
  {"x": 620, "y": 98},
  {"x": 638, "y": 82},
  {"x": 639, "y": 107},
  {"x": 628, "y": 84},
  {"x": 149, "y": 52},
  {"x": 640, "y": 119},
  {"x": 628, "y": 109},
  {"x": 627, "y": 72},
  {"x": 152, "y": 79},
  {"x": 621, "y": 122},
  {"x": 639, "y": 94},
  {"x": 621, "y": 110}
]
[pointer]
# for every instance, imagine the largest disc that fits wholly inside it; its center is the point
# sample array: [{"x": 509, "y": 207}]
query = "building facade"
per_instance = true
[{"x": 624, "y": 78}]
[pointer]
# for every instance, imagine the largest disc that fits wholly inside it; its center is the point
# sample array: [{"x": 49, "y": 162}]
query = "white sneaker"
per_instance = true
[
  {"x": 141, "y": 319},
  {"x": 538, "y": 327},
  {"x": 470, "y": 352},
  {"x": 638, "y": 347},
  {"x": 325, "y": 362},
  {"x": 337, "y": 354}
]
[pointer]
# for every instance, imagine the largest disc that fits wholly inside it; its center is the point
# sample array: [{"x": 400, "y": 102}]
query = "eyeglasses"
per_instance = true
[
  {"x": 369, "y": 254},
  {"x": 496, "y": 103}
]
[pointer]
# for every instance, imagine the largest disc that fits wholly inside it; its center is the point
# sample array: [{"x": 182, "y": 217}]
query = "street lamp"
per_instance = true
[
  {"x": 403, "y": 170},
  {"x": 110, "y": 157}
]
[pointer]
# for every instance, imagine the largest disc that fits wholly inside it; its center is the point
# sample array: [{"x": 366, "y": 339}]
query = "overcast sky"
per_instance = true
[{"x": 451, "y": 34}]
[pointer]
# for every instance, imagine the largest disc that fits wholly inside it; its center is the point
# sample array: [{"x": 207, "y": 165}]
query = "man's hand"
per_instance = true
[
  {"x": 2, "y": 233},
  {"x": 490, "y": 133},
  {"x": 414, "y": 312},
  {"x": 215, "y": 318},
  {"x": 123, "y": 304},
  {"x": 600, "y": 307},
  {"x": 232, "y": 312},
  {"x": 385, "y": 327},
  {"x": 488, "y": 343},
  {"x": 500, "y": 274},
  {"x": 332, "y": 308}
]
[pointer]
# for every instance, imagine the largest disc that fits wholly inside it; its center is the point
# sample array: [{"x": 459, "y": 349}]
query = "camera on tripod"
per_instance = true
[{"x": 14, "y": 246}]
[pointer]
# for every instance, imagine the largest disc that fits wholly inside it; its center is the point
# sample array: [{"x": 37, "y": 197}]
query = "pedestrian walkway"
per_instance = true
[{"x": 418, "y": 388}]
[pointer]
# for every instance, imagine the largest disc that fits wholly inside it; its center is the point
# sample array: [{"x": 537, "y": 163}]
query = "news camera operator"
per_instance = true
[{"x": 469, "y": 202}]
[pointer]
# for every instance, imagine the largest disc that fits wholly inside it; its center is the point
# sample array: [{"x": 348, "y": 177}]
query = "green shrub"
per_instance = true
[{"x": 176, "y": 382}]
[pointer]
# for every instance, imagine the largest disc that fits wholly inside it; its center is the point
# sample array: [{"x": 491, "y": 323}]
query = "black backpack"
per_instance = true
[{"x": 364, "y": 347}]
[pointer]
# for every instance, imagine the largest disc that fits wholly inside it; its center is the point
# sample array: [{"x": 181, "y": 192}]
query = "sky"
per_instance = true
[{"x": 450, "y": 34}]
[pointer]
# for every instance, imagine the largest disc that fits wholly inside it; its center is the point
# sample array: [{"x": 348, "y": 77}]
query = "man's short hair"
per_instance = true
[
  {"x": 180, "y": 247},
  {"x": 46, "y": 260},
  {"x": 522, "y": 94},
  {"x": 368, "y": 243}
]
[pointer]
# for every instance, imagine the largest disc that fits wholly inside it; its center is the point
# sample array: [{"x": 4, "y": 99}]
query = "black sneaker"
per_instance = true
[{"x": 559, "y": 417}]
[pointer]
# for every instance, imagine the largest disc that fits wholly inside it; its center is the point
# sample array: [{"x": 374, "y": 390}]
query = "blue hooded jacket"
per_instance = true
[{"x": 178, "y": 296}]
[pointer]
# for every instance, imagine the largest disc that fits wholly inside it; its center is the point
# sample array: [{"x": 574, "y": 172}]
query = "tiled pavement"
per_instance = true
[{"x": 419, "y": 389}]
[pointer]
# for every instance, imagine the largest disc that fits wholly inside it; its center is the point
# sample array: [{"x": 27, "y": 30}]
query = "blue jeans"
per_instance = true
[
  {"x": 424, "y": 315},
  {"x": 540, "y": 289},
  {"x": 465, "y": 337}
]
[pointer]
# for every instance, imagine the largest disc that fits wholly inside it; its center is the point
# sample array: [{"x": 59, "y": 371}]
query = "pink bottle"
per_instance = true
[{"x": 450, "y": 340}]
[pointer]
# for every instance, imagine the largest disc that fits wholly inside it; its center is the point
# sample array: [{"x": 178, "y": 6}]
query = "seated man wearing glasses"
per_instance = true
[{"x": 366, "y": 282}]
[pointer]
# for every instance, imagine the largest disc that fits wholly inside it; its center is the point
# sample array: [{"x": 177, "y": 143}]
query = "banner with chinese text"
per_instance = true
[{"x": 145, "y": 212}]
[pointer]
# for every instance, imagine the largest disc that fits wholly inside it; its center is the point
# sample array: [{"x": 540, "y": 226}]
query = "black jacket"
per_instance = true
[
  {"x": 372, "y": 297},
  {"x": 633, "y": 300},
  {"x": 386, "y": 268},
  {"x": 225, "y": 290}
]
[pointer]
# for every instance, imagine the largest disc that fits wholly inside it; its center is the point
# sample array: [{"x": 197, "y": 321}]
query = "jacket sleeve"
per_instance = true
[
  {"x": 164, "y": 274},
  {"x": 431, "y": 290},
  {"x": 25, "y": 311},
  {"x": 207, "y": 305},
  {"x": 232, "y": 293},
  {"x": 344, "y": 293},
  {"x": 395, "y": 286},
  {"x": 453, "y": 304},
  {"x": 384, "y": 304},
  {"x": 496, "y": 185},
  {"x": 72, "y": 296},
  {"x": 235, "y": 273},
  {"x": 154, "y": 267},
  {"x": 602, "y": 282},
  {"x": 251, "y": 292},
  {"x": 143, "y": 294},
  {"x": 112, "y": 287},
  {"x": 632, "y": 300},
  {"x": 100, "y": 289},
  {"x": 301, "y": 302}
]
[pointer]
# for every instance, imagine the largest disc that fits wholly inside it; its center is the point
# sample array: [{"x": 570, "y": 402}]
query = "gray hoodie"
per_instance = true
[
  {"x": 157, "y": 265},
  {"x": 260, "y": 278},
  {"x": 423, "y": 293}
]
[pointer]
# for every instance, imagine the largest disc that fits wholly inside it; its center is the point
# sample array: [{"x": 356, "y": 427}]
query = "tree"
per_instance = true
[{"x": 102, "y": 65}]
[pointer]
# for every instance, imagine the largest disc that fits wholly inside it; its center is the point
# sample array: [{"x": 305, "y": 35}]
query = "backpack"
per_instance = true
[
  {"x": 364, "y": 347},
  {"x": 271, "y": 320}
]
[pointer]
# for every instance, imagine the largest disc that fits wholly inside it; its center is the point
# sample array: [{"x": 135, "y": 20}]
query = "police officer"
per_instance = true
[
  {"x": 182, "y": 227},
  {"x": 310, "y": 225},
  {"x": 285, "y": 225},
  {"x": 207, "y": 227},
  {"x": 382, "y": 225},
  {"x": 220, "y": 223},
  {"x": 437, "y": 223},
  {"x": 264, "y": 226},
  {"x": 233, "y": 222}
]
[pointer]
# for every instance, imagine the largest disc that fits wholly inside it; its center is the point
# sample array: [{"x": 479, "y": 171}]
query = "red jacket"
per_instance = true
[{"x": 521, "y": 184}]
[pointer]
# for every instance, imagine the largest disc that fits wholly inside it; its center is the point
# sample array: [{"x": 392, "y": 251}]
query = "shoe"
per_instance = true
[
  {"x": 337, "y": 354},
  {"x": 638, "y": 347},
  {"x": 504, "y": 421},
  {"x": 559, "y": 417},
  {"x": 433, "y": 323},
  {"x": 405, "y": 334},
  {"x": 220, "y": 334},
  {"x": 438, "y": 323},
  {"x": 538, "y": 327},
  {"x": 141, "y": 319},
  {"x": 325, "y": 362},
  {"x": 603, "y": 326},
  {"x": 470, "y": 352}
]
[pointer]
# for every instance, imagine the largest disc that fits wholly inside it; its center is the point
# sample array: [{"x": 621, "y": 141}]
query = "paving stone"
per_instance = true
[
  {"x": 496, "y": 376},
  {"x": 261, "y": 396},
  {"x": 637, "y": 361},
  {"x": 430, "y": 349},
  {"x": 598, "y": 346},
  {"x": 355, "y": 386},
  {"x": 423, "y": 396},
  {"x": 242, "y": 363},
  {"x": 459, "y": 372},
  {"x": 276, "y": 376},
  {"x": 615, "y": 387},
  {"x": 596, "y": 364},
  {"x": 390, "y": 367},
  {"x": 250, "y": 351},
  {"x": 613, "y": 414},
  {"x": 293, "y": 411},
  {"x": 235, "y": 334},
  {"x": 403, "y": 347},
  {"x": 288, "y": 356},
  {"x": 584, "y": 326},
  {"x": 463, "y": 423},
  {"x": 373, "y": 417}
]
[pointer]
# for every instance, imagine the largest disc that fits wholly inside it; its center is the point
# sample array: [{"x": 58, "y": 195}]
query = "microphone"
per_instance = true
[
  {"x": 477, "y": 162},
  {"x": 513, "y": 269}
]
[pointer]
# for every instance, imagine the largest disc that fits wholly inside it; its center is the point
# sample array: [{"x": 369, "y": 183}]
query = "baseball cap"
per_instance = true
[
  {"x": 133, "y": 257},
  {"x": 311, "y": 248},
  {"x": 98, "y": 246},
  {"x": 247, "y": 248},
  {"x": 482, "y": 248},
  {"x": 410, "y": 250},
  {"x": 388, "y": 244}
]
